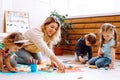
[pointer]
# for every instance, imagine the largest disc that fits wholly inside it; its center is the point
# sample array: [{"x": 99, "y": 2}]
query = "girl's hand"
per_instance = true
[
  {"x": 100, "y": 53},
  {"x": 13, "y": 69},
  {"x": 111, "y": 66},
  {"x": 4, "y": 70}
]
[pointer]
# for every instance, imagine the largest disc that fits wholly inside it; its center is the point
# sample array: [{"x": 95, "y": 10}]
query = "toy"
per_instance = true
[
  {"x": 71, "y": 69},
  {"x": 48, "y": 68},
  {"x": 70, "y": 66},
  {"x": 65, "y": 61},
  {"x": 21, "y": 70},
  {"x": 14, "y": 71},
  {"x": 61, "y": 71},
  {"x": 80, "y": 78},
  {"x": 106, "y": 68},
  {"x": 93, "y": 67}
]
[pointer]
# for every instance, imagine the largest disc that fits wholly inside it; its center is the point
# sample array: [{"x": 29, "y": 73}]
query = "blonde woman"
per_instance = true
[{"x": 41, "y": 40}]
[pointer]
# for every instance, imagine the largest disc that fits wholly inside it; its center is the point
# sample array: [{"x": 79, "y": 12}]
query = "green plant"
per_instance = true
[{"x": 65, "y": 26}]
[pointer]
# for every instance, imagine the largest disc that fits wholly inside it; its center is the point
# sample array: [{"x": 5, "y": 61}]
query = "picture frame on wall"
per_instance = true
[{"x": 16, "y": 21}]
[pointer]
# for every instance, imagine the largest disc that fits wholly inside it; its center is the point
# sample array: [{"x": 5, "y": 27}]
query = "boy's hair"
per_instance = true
[
  {"x": 11, "y": 38},
  {"x": 108, "y": 27},
  {"x": 91, "y": 37}
]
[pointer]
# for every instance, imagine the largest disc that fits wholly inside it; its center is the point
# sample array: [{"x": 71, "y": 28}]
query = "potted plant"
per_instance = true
[{"x": 65, "y": 26}]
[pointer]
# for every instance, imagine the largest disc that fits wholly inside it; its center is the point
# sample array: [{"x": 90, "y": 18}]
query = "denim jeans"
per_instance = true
[
  {"x": 23, "y": 57},
  {"x": 13, "y": 62},
  {"x": 100, "y": 61}
]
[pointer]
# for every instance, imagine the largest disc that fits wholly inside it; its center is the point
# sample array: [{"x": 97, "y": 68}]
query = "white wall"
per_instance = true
[
  {"x": 1, "y": 20},
  {"x": 60, "y": 5},
  {"x": 93, "y": 7},
  {"x": 38, "y": 10}
]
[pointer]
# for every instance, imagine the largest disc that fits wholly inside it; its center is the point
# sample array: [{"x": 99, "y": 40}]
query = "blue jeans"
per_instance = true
[
  {"x": 100, "y": 61},
  {"x": 23, "y": 57}
]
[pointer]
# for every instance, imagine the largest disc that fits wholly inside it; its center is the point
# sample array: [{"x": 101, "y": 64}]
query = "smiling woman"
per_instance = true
[
  {"x": 41, "y": 39},
  {"x": 51, "y": 29}
]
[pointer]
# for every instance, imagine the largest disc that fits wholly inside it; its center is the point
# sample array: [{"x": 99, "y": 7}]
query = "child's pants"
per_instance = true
[
  {"x": 76, "y": 58},
  {"x": 85, "y": 57},
  {"x": 100, "y": 61},
  {"x": 13, "y": 62}
]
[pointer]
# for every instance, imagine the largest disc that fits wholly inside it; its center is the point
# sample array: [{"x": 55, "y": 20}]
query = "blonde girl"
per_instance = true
[
  {"x": 10, "y": 44},
  {"x": 106, "y": 52}
]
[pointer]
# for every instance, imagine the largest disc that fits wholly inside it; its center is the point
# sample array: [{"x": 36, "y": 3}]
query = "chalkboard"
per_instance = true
[{"x": 15, "y": 21}]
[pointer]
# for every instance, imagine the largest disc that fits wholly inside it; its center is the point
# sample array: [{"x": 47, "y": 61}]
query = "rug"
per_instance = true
[{"x": 24, "y": 73}]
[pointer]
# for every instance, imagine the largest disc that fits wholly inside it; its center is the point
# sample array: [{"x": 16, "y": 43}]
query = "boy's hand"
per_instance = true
[{"x": 81, "y": 60}]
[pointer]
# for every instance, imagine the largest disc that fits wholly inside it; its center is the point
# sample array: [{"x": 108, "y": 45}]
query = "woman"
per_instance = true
[{"x": 41, "y": 39}]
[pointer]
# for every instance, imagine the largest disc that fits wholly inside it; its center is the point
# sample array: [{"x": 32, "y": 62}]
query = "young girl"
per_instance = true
[
  {"x": 106, "y": 52},
  {"x": 8, "y": 46}
]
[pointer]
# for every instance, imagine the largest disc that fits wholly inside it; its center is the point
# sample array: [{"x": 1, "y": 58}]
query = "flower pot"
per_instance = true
[{"x": 58, "y": 51}]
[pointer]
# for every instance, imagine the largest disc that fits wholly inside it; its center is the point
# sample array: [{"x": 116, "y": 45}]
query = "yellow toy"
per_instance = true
[{"x": 93, "y": 67}]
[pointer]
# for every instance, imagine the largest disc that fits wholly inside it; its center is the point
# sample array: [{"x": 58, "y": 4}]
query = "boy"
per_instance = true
[{"x": 83, "y": 50}]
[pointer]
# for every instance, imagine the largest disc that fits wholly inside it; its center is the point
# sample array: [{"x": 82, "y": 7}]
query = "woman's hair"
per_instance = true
[
  {"x": 11, "y": 38},
  {"x": 105, "y": 28},
  {"x": 57, "y": 36}
]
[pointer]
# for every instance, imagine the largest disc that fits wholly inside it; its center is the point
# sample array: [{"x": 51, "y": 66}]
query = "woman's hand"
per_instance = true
[
  {"x": 58, "y": 63},
  {"x": 61, "y": 67},
  {"x": 53, "y": 64}
]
